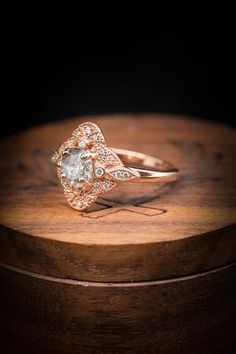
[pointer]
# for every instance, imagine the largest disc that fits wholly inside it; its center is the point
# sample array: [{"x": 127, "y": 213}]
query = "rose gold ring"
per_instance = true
[{"x": 87, "y": 167}]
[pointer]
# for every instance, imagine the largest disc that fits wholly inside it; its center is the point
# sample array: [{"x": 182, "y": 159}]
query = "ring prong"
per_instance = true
[
  {"x": 65, "y": 151},
  {"x": 93, "y": 155}
]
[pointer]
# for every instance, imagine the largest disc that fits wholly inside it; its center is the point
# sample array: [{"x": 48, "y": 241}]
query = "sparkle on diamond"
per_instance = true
[{"x": 75, "y": 167}]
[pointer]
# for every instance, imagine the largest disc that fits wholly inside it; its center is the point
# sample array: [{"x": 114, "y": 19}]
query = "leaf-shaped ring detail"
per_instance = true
[{"x": 87, "y": 168}]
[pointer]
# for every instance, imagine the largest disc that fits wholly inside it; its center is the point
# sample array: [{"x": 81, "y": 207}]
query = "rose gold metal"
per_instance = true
[
  {"x": 151, "y": 169},
  {"x": 110, "y": 166}
]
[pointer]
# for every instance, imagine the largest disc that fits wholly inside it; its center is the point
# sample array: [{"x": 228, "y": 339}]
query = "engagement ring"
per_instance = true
[{"x": 87, "y": 167}]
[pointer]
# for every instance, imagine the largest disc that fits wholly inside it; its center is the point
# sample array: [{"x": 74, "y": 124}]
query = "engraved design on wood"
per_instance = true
[{"x": 109, "y": 207}]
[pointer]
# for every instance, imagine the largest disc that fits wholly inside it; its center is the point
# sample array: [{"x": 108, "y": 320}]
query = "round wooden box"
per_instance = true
[{"x": 149, "y": 269}]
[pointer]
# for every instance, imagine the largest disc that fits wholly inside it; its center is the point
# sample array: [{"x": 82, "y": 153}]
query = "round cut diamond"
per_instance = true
[
  {"x": 126, "y": 174},
  {"x": 99, "y": 171},
  {"x": 107, "y": 185},
  {"x": 87, "y": 130},
  {"x": 75, "y": 167},
  {"x": 83, "y": 143}
]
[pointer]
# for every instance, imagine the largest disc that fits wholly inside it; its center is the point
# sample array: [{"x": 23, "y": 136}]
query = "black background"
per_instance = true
[{"x": 121, "y": 57}]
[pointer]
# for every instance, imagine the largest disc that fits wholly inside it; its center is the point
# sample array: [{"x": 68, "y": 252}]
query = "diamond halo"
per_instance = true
[{"x": 87, "y": 167}]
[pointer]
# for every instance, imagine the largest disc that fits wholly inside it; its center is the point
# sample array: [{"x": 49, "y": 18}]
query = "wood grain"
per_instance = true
[
  {"x": 194, "y": 314},
  {"x": 149, "y": 269},
  {"x": 136, "y": 233}
]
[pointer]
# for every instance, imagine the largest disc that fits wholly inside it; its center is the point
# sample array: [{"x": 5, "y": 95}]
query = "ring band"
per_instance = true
[
  {"x": 150, "y": 168},
  {"x": 87, "y": 167}
]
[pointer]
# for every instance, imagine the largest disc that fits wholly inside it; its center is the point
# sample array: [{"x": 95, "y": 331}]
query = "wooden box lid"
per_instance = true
[{"x": 136, "y": 233}]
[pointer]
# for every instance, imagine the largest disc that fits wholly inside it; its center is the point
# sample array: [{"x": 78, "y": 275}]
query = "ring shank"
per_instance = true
[{"x": 150, "y": 169}]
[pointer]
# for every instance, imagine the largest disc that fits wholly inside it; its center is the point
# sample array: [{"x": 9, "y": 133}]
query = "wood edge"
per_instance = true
[
  {"x": 85, "y": 118},
  {"x": 224, "y": 228},
  {"x": 115, "y": 284},
  {"x": 97, "y": 258}
]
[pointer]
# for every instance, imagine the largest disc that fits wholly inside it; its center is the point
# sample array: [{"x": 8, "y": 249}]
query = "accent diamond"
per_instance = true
[
  {"x": 83, "y": 143},
  {"x": 78, "y": 203},
  {"x": 99, "y": 171},
  {"x": 87, "y": 130},
  {"x": 126, "y": 174},
  {"x": 107, "y": 185}
]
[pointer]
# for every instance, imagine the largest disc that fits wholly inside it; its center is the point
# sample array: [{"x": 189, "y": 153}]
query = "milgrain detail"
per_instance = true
[{"x": 87, "y": 167}]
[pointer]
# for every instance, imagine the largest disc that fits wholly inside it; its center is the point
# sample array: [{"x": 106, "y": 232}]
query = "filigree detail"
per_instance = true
[
  {"x": 123, "y": 174},
  {"x": 87, "y": 167}
]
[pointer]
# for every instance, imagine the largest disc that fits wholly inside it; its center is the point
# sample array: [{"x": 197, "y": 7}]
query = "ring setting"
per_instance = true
[{"x": 87, "y": 167}]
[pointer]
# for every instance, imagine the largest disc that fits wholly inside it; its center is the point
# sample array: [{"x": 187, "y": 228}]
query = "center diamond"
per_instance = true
[{"x": 75, "y": 167}]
